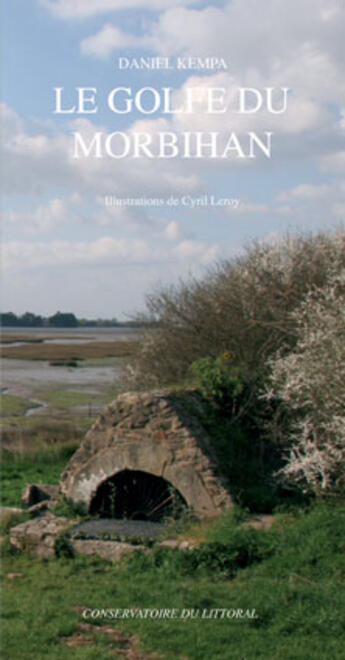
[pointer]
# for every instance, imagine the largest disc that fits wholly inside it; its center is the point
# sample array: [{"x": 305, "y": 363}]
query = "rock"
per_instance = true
[
  {"x": 169, "y": 543},
  {"x": 263, "y": 521},
  {"x": 42, "y": 506},
  {"x": 184, "y": 545},
  {"x": 38, "y": 536},
  {"x": 187, "y": 545},
  {"x": 35, "y": 493},
  {"x": 111, "y": 550},
  {"x": 176, "y": 544}
]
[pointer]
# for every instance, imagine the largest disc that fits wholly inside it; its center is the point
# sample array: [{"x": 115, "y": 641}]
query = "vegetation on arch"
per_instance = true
[
  {"x": 277, "y": 311},
  {"x": 219, "y": 381}
]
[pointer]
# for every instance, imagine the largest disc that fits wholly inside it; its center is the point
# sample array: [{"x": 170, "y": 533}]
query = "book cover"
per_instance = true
[{"x": 177, "y": 165}]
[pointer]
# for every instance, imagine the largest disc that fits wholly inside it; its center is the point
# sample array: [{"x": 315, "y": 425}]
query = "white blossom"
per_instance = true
[{"x": 310, "y": 382}]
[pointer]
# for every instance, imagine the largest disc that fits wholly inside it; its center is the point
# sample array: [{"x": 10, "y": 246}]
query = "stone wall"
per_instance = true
[{"x": 159, "y": 433}]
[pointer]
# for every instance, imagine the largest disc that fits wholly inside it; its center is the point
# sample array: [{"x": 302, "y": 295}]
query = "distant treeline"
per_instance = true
[{"x": 58, "y": 320}]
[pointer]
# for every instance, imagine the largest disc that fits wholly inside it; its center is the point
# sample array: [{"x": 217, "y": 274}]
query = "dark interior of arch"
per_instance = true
[{"x": 136, "y": 495}]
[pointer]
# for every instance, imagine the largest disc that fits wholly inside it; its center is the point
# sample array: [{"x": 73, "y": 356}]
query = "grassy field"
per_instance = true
[
  {"x": 67, "y": 415},
  {"x": 69, "y": 398},
  {"x": 41, "y": 465},
  {"x": 14, "y": 405},
  {"x": 292, "y": 576},
  {"x": 60, "y": 411}
]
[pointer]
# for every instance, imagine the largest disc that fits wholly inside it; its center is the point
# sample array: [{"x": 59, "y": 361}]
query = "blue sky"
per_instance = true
[{"x": 62, "y": 247}]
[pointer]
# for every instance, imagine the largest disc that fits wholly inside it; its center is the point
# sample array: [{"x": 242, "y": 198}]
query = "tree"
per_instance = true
[
  {"x": 30, "y": 320},
  {"x": 8, "y": 319},
  {"x": 310, "y": 383},
  {"x": 242, "y": 305},
  {"x": 63, "y": 320}
]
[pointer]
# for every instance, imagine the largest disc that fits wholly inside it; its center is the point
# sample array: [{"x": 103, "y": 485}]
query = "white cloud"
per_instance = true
[
  {"x": 105, "y": 251},
  {"x": 291, "y": 32},
  {"x": 189, "y": 249},
  {"x": 306, "y": 191},
  {"x": 76, "y": 9},
  {"x": 10, "y": 121},
  {"x": 303, "y": 50},
  {"x": 334, "y": 163},
  {"x": 310, "y": 203},
  {"x": 108, "y": 39},
  {"x": 302, "y": 113},
  {"x": 44, "y": 217},
  {"x": 342, "y": 119},
  {"x": 172, "y": 231},
  {"x": 63, "y": 253},
  {"x": 36, "y": 163},
  {"x": 249, "y": 208}
]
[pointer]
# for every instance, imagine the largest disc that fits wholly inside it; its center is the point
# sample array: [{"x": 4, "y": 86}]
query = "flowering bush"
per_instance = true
[
  {"x": 310, "y": 383},
  {"x": 243, "y": 305}
]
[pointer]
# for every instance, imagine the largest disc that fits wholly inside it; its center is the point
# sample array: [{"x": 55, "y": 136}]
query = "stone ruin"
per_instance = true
[{"x": 146, "y": 457}]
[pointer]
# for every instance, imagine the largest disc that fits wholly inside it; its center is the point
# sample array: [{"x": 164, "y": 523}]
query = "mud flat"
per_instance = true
[
  {"x": 65, "y": 350},
  {"x": 63, "y": 375}
]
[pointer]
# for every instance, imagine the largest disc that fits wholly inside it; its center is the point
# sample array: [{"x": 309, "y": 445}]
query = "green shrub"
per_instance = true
[
  {"x": 63, "y": 547},
  {"x": 9, "y": 521},
  {"x": 242, "y": 548},
  {"x": 219, "y": 381},
  {"x": 69, "y": 509}
]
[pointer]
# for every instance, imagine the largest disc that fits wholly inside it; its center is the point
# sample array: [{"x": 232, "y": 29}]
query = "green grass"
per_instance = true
[
  {"x": 292, "y": 575},
  {"x": 296, "y": 588},
  {"x": 34, "y": 423},
  {"x": 66, "y": 399},
  {"x": 69, "y": 398},
  {"x": 21, "y": 422},
  {"x": 14, "y": 405},
  {"x": 42, "y": 466}
]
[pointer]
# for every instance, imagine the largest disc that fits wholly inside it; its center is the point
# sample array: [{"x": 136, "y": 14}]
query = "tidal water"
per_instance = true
[{"x": 22, "y": 377}]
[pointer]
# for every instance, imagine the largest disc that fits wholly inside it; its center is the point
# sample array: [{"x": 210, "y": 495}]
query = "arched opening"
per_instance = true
[{"x": 136, "y": 495}]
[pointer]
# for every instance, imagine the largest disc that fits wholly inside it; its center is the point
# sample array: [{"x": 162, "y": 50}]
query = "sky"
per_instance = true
[{"x": 63, "y": 248}]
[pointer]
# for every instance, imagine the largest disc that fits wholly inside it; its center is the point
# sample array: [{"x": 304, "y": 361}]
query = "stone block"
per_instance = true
[
  {"x": 38, "y": 536},
  {"x": 35, "y": 493},
  {"x": 110, "y": 550}
]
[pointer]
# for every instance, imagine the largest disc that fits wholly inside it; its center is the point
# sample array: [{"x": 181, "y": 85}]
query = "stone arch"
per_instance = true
[
  {"x": 137, "y": 495},
  {"x": 158, "y": 433}
]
